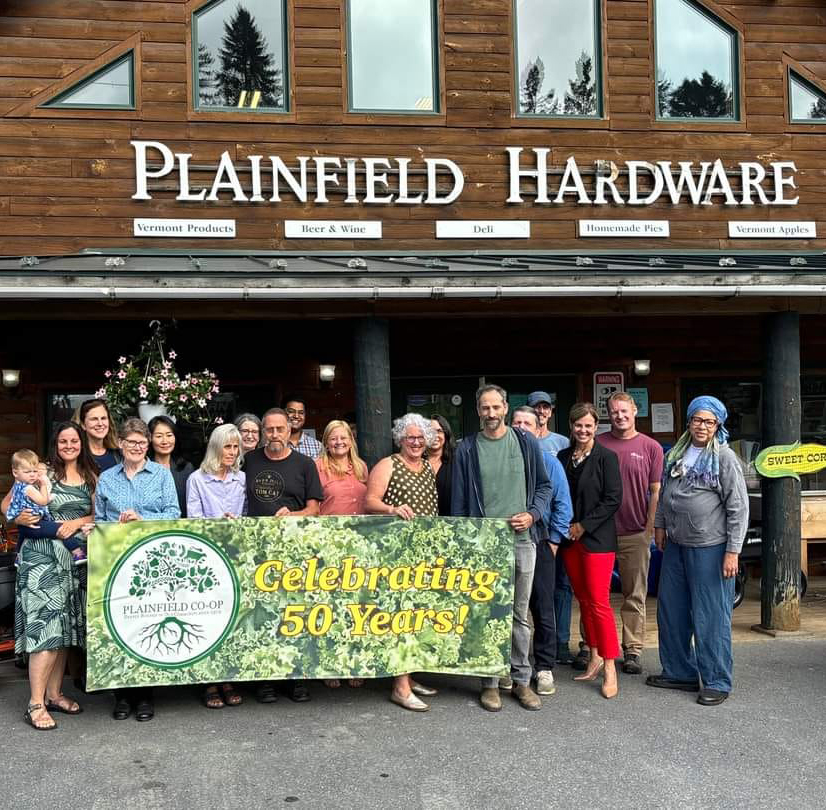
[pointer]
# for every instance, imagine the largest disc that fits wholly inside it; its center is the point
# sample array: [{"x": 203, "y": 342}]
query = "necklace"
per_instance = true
[{"x": 578, "y": 456}]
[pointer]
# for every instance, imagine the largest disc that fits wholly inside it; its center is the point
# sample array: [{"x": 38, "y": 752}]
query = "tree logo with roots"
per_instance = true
[{"x": 171, "y": 599}]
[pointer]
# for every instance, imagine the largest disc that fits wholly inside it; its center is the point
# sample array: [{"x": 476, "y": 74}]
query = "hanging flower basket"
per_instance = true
[{"x": 148, "y": 379}]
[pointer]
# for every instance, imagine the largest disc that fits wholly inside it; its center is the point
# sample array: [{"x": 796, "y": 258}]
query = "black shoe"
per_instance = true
[
  {"x": 711, "y": 697},
  {"x": 563, "y": 655},
  {"x": 580, "y": 663},
  {"x": 298, "y": 693},
  {"x": 632, "y": 665},
  {"x": 265, "y": 693},
  {"x": 122, "y": 709},
  {"x": 144, "y": 711},
  {"x": 663, "y": 682}
]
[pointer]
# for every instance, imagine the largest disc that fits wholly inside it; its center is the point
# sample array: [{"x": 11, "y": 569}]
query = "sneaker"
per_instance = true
[
  {"x": 545, "y": 682},
  {"x": 506, "y": 684},
  {"x": 583, "y": 657},
  {"x": 563, "y": 655},
  {"x": 631, "y": 665},
  {"x": 490, "y": 699},
  {"x": 527, "y": 698}
]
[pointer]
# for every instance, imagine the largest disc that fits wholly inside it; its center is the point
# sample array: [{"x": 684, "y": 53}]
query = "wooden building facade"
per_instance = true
[{"x": 493, "y": 227}]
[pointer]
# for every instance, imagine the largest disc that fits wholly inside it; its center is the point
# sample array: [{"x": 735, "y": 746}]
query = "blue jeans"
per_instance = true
[
  {"x": 695, "y": 600},
  {"x": 563, "y": 597},
  {"x": 525, "y": 559}
]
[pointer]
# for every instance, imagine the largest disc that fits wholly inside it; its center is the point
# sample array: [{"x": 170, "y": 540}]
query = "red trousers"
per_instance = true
[{"x": 590, "y": 576}]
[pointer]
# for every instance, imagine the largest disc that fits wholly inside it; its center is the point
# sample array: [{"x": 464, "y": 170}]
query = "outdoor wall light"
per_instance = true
[
  {"x": 11, "y": 377},
  {"x": 326, "y": 372},
  {"x": 642, "y": 368}
]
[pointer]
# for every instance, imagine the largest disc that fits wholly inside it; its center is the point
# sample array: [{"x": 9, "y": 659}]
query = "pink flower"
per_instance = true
[
  {"x": 164, "y": 372},
  {"x": 142, "y": 391},
  {"x": 99, "y": 393},
  {"x": 182, "y": 397},
  {"x": 121, "y": 375},
  {"x": 107, "y": 374},
  {"x": 121, "y": 360},
  {"x": 167, "y": 364},
  {"x": 215, "y": 389},
  {"x": 218, "y": 420},
  {"x": 162, "y": 399},
  {"x": 172, "y": 355},
  {"x": 209, "y": 396}
]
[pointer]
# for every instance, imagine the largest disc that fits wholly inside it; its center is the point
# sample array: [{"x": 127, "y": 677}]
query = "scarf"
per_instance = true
[{"x": 706, "y": 469}]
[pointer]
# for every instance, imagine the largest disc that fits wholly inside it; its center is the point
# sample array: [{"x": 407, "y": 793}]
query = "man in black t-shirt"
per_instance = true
[{"x": 280, "y": 483}]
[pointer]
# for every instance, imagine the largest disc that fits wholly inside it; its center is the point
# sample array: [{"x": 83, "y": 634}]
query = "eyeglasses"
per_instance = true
[
  {"x": 415, "y": 439},
  {"x": 709, "y": 423},
  {"x": 250, "y": 432},
  {"x": 135, "y": 445}
]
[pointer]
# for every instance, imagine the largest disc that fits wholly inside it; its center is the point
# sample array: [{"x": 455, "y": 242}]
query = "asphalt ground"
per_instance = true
[{"x": 352, "y": 748}]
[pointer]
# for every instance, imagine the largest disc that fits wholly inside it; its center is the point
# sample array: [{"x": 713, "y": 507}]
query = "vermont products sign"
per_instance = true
[
  {"x": 202, "y": 601},
  {"x": 790, "y": 460}
]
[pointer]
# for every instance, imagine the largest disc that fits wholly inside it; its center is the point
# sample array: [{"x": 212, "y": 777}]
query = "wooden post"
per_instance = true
[
  {"x": 780, "y": 590},
  {"x": 372, "y": 376}
]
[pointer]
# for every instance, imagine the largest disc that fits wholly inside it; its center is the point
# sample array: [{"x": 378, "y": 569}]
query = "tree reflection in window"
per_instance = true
[
  {"x": 557, "y": 57},
  {"x": 806, "y": 101},
  {"x": 241, "y": 55},
  {"x": 696, "y": 62}
]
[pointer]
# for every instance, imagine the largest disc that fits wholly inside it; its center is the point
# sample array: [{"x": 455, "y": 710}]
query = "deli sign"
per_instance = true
[{"x": 390, "y": 180}]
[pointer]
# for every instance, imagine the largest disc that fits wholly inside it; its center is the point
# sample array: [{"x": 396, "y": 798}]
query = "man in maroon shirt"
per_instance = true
[{"x": 641, "y": 468}]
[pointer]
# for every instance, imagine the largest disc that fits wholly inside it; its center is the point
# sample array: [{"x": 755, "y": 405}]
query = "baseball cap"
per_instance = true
[{"x": 535, "y": 397}]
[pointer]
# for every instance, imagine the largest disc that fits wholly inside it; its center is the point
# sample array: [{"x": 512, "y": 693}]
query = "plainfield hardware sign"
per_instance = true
[{"x": 367, "y": 180}]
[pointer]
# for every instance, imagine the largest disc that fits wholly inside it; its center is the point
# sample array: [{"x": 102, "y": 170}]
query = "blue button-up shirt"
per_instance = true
[
  {"x": 560, "y": 511},
  {"x": 151, "y": 493},
  {"x": 307, "y": 445}
]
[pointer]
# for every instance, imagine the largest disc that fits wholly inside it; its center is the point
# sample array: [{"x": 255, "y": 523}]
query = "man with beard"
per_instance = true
[
  {"x": 301, "y": 441},
  {"x": 280, "y": 483},
  {"x": 499, "y": 473}
]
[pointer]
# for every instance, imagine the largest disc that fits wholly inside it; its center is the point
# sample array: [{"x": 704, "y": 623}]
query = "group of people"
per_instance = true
[{"x": 573, "y": 505}]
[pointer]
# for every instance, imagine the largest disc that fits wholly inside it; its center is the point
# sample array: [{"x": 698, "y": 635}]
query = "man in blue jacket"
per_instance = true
[
  {"x": 557, "y": 520},
  {"x": 499, "y": 473}
]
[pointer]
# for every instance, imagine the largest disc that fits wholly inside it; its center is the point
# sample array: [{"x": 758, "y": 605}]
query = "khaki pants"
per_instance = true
[{"x": 633, "y": 557}]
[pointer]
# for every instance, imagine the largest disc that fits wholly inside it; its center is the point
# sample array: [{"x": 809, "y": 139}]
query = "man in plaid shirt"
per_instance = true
[{"x": 300, "y": 441}]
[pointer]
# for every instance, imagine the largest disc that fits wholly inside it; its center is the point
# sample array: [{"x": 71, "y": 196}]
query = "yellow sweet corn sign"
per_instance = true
[{"x": 791, "y": 460}]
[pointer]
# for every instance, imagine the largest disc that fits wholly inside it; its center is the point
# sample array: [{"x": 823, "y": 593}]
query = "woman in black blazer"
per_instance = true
[{"x": 596, "y": 493}]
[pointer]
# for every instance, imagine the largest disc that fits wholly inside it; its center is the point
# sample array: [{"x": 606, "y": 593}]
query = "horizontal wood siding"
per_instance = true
[{"x": 79, "y": 172}]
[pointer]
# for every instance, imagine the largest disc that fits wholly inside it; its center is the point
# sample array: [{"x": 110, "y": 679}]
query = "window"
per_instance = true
[
  {"x": 806, "y": 102},
  {"x": 111, "y": 87},
  {"x": 557, "y": 59},
  {"x": 392, "y": 56},
  {"x": 239, "y": 50},
  {"x": 697, "y": 63}
]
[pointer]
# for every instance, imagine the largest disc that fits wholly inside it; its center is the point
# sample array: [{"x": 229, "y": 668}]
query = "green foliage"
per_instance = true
[{"x": 255, "y": 649}]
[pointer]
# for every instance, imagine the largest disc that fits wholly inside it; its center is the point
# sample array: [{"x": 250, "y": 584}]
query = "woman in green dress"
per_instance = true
[{"x": 50, "y": 604}]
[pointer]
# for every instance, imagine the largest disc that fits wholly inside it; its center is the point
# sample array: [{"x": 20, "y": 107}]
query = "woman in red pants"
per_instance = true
[{"x": 596, "y": 493}]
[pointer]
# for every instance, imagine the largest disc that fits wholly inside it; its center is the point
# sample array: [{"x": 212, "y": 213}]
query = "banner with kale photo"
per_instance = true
[{"x": 205, "y": 601}]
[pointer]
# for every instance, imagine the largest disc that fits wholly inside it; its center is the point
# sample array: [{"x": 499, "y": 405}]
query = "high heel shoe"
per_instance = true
[
  {"x": 609, "y": 692},
  {"x": 590, "y": 675}
]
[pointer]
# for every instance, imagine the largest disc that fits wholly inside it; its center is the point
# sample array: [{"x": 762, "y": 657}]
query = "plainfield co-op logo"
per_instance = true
[{"x": 171, "y": 599}]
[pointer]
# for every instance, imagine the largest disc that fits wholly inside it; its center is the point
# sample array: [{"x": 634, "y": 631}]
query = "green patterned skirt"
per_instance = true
[{"x": 49, "y": 613}]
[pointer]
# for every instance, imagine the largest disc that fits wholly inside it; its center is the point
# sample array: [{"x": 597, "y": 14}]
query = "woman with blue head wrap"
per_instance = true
[{"x": 701, "y": 522}]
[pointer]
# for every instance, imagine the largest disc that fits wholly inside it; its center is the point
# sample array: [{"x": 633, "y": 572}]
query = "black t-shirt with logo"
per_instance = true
[{"x": 290, "y": 482}]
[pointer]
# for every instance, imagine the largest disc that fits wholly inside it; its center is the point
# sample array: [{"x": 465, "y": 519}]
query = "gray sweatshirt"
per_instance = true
[{"x": 694, "y": 514}]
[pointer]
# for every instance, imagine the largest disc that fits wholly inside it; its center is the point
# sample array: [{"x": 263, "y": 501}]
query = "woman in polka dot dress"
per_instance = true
[{"x": 404, "y": 485}]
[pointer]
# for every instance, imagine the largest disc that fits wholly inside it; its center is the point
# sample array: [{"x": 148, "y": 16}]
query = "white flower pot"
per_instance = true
[{"x": 149, "y": 410}]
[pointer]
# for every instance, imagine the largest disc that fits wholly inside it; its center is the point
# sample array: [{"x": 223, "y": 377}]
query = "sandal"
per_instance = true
[
  {"x": 37, "y": 707},
  {"x": 66, "y": 707},
  {"x": 211, "y": 698},
  {"x": 332, "y": 683},
  {"x": 231, "y": 697},
  {"x": 144, "y": 711}
]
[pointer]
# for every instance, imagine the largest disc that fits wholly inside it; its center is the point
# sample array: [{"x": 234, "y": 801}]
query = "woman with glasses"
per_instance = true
[
  {"x": 700, "y": 525},
  {"x": 403, "y": 485},
  {"x": 249, "y": 426},
  {"x": 135, "y": 489}
]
